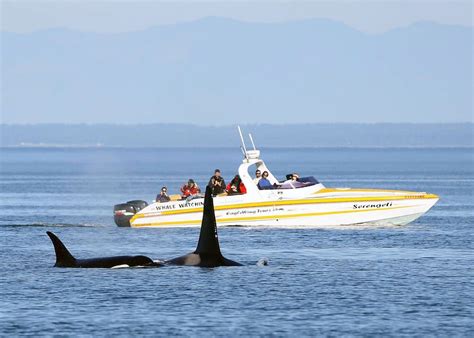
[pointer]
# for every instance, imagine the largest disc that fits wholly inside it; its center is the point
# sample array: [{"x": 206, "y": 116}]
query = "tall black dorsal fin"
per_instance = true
[
  {"x": 208, "y": 241},
  {"x": 63, "y": 256}
]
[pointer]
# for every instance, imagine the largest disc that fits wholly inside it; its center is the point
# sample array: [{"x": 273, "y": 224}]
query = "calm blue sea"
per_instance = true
[{"x": 415, "y": 280}]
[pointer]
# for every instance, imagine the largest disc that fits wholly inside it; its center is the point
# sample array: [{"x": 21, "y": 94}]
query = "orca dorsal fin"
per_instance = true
[
  {"x": 208, "y": 241},
  {"x": 63, "y": 256}
]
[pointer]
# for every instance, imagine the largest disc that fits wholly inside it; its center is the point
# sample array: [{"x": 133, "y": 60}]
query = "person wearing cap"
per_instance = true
[
  {"x": 163, "y": 196},
  {"x": 295, "y": 177},
  {"x": 190, "y": 189},
  {"x": 292, "y": 182},
  {"x": 217, "y": 183}
]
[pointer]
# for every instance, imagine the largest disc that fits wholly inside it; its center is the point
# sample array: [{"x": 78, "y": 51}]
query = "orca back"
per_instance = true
[
  {"x": 114, "y": 261},
  {"x": 64, "y": 259}
]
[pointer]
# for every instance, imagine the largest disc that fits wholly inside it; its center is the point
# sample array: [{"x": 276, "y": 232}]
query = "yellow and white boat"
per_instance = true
[{"x": 306, "y": 202}]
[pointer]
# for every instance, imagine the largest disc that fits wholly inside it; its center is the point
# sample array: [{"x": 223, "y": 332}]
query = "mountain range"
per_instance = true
[{"x": 217, "y": 71}]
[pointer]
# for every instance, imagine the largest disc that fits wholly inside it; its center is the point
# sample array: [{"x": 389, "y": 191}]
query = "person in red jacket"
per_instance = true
[
  {"x": 190, "y": 190},
  {"x": 236, "y": 186}
]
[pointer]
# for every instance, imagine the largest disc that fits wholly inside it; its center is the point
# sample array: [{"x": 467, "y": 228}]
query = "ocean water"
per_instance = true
[{"x": 414, "y": 280}]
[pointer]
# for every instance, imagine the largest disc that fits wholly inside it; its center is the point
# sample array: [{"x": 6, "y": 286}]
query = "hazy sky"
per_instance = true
[
  {"x": 322, "y": 72},
  {"x": 120, "y": 16}
]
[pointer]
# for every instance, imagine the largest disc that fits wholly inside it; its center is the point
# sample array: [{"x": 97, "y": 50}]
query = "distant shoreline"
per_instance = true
[
  {"x": 228, "y": 147},
  {"x": 322, "y": 135}
]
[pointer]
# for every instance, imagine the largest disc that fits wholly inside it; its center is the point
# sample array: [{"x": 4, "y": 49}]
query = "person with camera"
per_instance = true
[
  {"x": 217, "y": 183},
  {"x": 163, "y": 196}
]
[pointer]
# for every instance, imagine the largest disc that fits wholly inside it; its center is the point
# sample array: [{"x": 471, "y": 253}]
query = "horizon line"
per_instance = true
[
  {"x": 102, "y": 146},
  {"x": 224, "y": 125}
]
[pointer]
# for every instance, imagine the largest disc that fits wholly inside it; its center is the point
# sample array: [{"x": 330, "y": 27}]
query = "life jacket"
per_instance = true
[
  {"x": 187, "y": 191},
  {"x": 241, "y": 188}
]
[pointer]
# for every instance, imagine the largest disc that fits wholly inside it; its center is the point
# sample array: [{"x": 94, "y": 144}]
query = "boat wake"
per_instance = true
[{"x": 54, "y": 225}]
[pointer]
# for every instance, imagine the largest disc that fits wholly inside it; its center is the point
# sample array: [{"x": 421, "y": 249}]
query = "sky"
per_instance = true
[
  {"x": 421, "y": 75},
  {"x": 122, "y": 16}
]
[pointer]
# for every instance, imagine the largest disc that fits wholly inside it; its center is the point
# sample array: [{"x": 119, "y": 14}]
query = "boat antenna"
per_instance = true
[
  {"x": 251, "y": 140},
  {"x": 243, "y": 142},
  {"x": 243, "y": 151}
]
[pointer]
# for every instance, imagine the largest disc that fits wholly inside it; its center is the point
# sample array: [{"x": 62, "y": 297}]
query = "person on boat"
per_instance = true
[
  {"x": 217, "y": 183},
  {"x": 190, "y": 190},
  {"x": 163, "y": 196},
  {"x": 264, "y": 183},
  {"x": 295, "y": 177},
  {"x": 296, "y": 182},
  {"x": 236, "y": 186},
  {"x": 292, "y": 182},
  {"x": 258, "y": 176}
]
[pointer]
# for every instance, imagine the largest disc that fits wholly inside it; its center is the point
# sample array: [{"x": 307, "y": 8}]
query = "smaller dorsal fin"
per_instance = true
[{"x": 63, "y": 256}]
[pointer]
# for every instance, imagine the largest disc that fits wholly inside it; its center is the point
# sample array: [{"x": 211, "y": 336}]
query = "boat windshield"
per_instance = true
[
  {"x": 310, "y": 180},
  {"x": 302, "y": 182}
]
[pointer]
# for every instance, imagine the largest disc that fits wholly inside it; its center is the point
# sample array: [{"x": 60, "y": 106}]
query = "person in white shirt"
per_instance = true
[
  {"x": 258, "y": 176},
  {"x": 291, "y": 182}
]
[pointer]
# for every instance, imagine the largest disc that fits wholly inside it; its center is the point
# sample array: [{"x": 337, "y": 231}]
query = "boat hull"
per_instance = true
[{"x": 328, "y": 210}]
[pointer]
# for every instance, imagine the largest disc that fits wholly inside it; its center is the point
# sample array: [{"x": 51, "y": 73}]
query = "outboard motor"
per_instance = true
[
  {"x": 138, "y": 205},
  {"x": 125, "y": 211}
]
